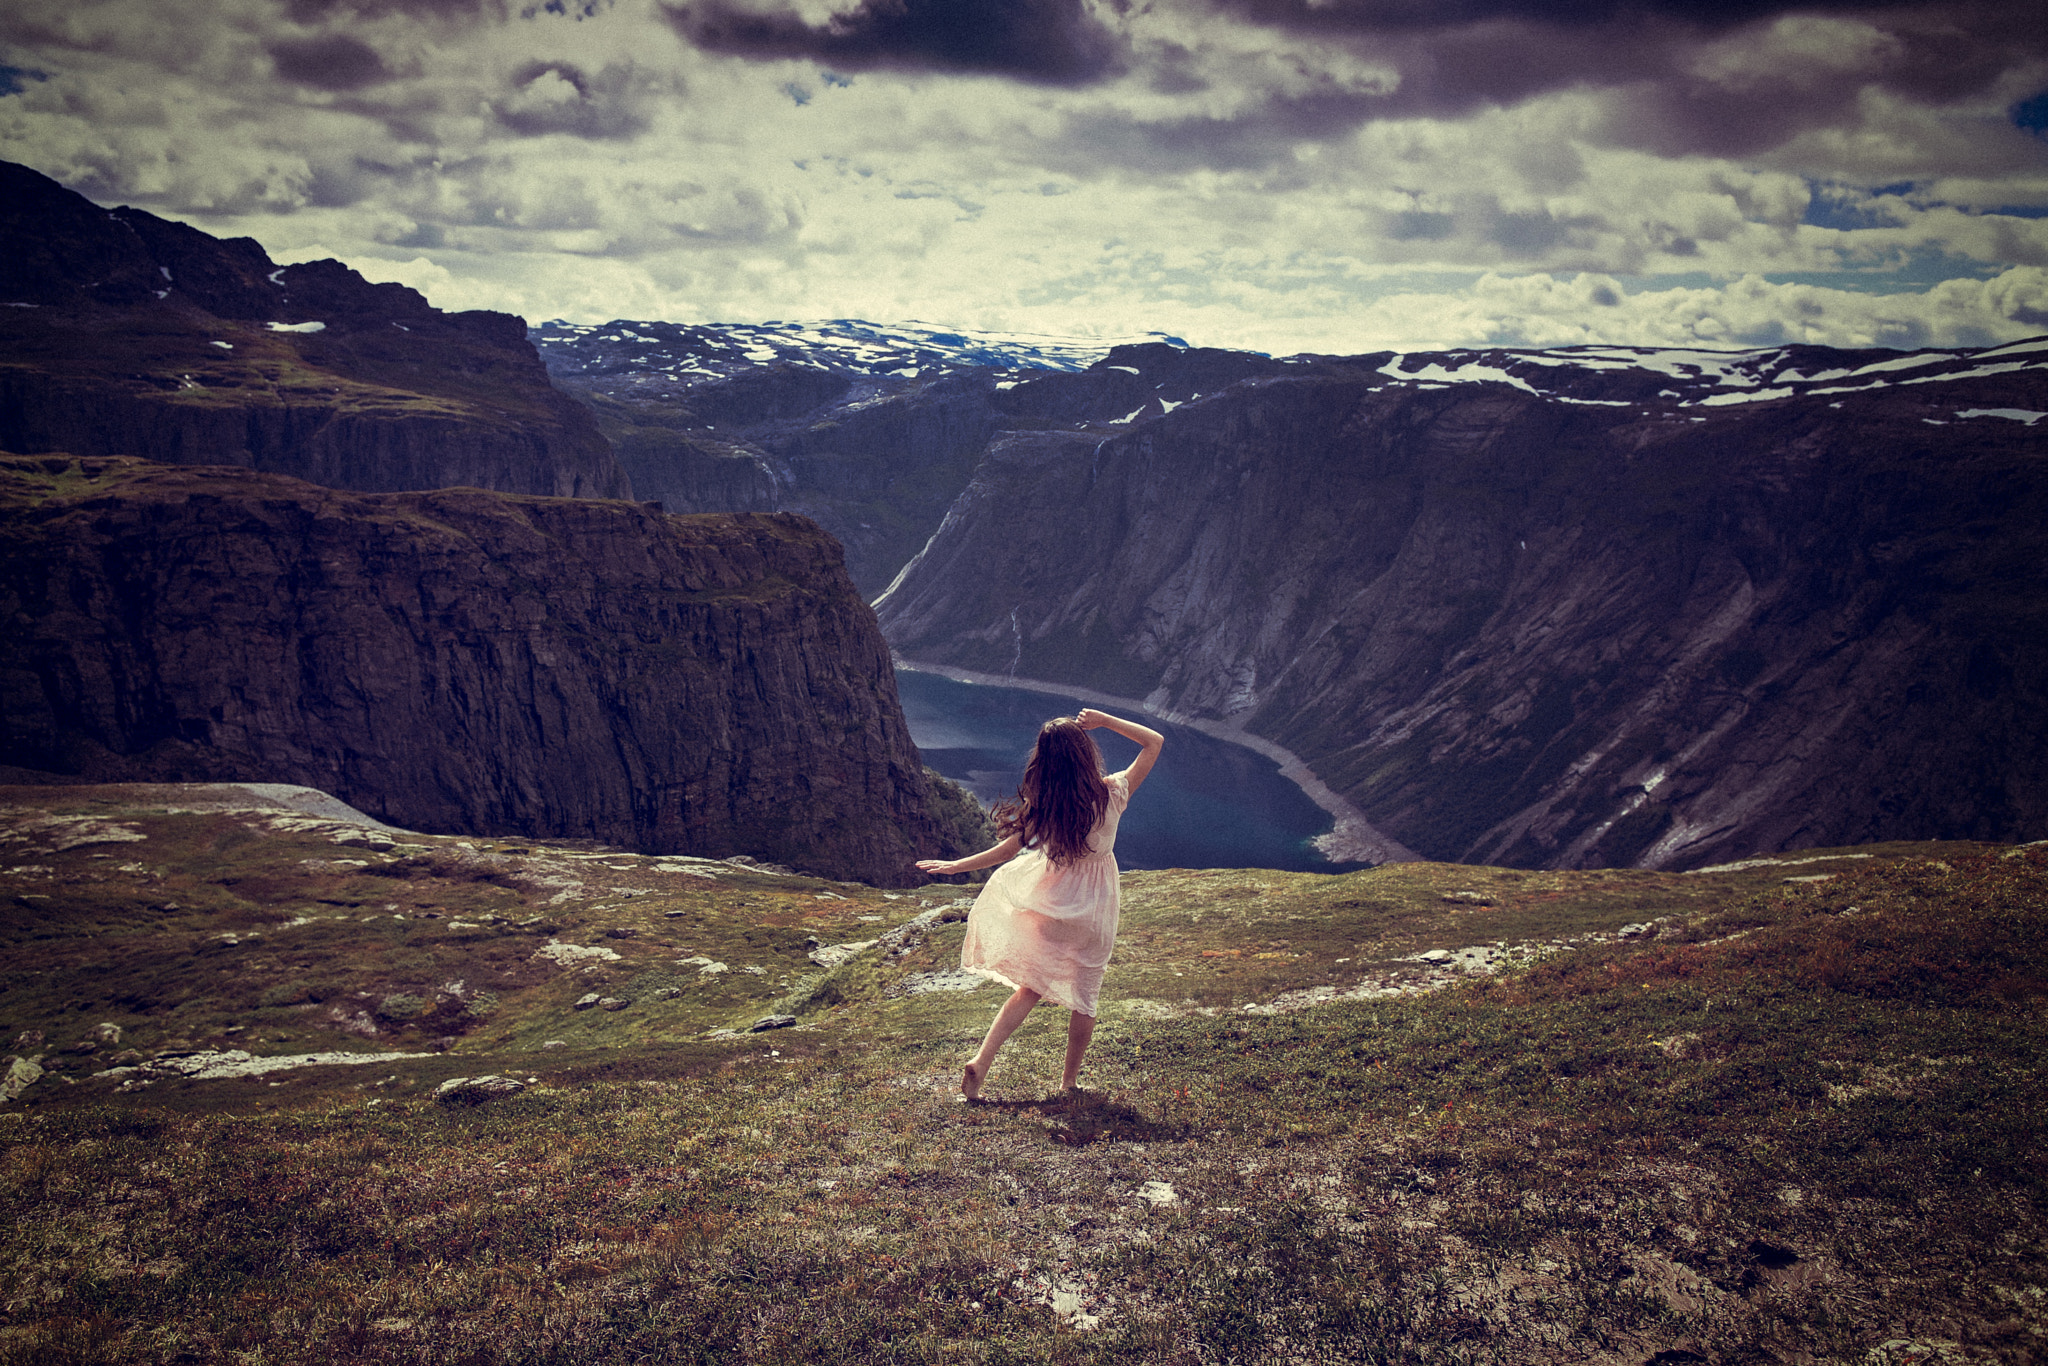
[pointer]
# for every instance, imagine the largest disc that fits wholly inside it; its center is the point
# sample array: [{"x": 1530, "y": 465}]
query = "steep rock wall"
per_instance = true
[
  {"x": 459, "y": 661},
  {"x": 1542, "y": 629},
  {"x": 872, "y": 439}
]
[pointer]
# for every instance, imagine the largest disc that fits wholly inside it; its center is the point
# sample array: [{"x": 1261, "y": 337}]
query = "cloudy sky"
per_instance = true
[{"x": 1285, "y": 175}]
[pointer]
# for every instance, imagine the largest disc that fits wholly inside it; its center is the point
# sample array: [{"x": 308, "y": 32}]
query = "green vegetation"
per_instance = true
[
  {"x": 1779, "y": 1120},
  {"x": 195, "y": 362}
]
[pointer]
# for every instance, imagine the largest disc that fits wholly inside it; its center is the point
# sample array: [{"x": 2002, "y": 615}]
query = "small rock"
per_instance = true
[
  {"x": 615, "y": 1003},
  {"x": 476, "y": 1090},
  {"x": 1685, "y": 1045},
  {"x": 829, "y": 956},
  {"x": 1437, "y": 956},
  {"x": 20, "y": 1075},
  {"x": 1158, "y": 1193},
  {"x": 568, "y": 955},
  {"x": 667, "y": 993},
  {"x": 946, "y": 979},
  {"x": 586, "y": 1002},
  {"x": 1636, "y": 931},
  {"x": 106, "y": 1032},
  {"x": 1469, "y": 898},
  {"x": 620, "y": 932},
  {"x": 752, "y": 865},
  {"x": 768, "y": 1022},
  {"x": 555, "y": 1043}
]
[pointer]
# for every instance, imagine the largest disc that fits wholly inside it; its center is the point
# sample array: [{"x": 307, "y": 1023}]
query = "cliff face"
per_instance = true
[
  {"x": 870, "y": 432},
  {"x": 459, "y": 661},
  {"x": 1564, "y": 609},
  {"x": 131, "y": 335}
]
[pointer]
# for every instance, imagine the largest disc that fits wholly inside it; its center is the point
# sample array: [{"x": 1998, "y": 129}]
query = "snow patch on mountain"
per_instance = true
[{"x": 845, "y": 344}]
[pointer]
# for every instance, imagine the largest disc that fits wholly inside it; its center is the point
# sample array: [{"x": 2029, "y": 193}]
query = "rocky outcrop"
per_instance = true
[
  {"x": 459, "y": 661},
  {"x": 127, "y": 334},
  {"x": 1582, "y": 608}
]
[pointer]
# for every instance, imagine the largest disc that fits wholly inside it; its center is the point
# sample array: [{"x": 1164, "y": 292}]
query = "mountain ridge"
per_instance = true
[
  {"x": 1372, "y": 561},
  {"x": 126, "y": 334}
]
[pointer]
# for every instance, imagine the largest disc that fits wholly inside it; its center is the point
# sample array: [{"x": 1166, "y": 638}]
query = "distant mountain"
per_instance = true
[
  {"x": 872, "y": 431},
  {"x": 1585, "y": 608},
  {"x": 661, "y": 359},
  {"x": 1580, "y": 607},
  {"x": 122, "y": 333}
]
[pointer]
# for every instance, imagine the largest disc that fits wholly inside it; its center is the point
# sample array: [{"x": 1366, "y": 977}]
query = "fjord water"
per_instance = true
[{"x": 1208, "y": 804}]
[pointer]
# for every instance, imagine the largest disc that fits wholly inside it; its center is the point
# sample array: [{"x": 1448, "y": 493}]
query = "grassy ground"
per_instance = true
[{"x": 1776, "y": 1120}]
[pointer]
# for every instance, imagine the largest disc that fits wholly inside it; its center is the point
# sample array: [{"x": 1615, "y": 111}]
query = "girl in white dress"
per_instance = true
[{"x": 1046, "y": 921}]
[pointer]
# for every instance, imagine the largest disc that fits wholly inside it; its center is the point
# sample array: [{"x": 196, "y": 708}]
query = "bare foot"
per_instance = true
[{"x": 970, "y": 1083}]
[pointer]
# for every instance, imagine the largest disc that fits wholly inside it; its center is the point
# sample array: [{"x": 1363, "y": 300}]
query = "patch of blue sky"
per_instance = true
[
  {"x": 1904, "y": 272},
  {"x": 1910, "y": 272},
  {"x": 14, "y": 79},
  {"x": 1148, "y": 275},
  {"x": 2032, "y": 114},
  {"x": 1849, "y": 207}
]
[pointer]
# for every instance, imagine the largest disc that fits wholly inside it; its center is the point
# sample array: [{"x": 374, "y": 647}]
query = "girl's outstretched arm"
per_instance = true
[
  {"x": 1149, "y": 741},
  {"x": 987, "y": 858}
]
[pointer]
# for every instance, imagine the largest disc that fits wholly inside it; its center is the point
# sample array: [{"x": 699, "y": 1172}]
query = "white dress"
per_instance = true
[{"x": 1047, "y": 926}]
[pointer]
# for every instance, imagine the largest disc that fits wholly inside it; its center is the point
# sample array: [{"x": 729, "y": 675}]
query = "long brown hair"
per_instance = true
[{"x": 1062, "y": 797}]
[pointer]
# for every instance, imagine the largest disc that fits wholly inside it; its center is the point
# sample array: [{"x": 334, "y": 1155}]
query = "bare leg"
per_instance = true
[
  {"x": 1007, "y": 1019},
  {"x": 1080, "y": 1029}
]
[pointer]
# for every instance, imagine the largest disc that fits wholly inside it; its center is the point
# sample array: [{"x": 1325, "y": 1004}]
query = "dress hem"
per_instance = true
[{"x": 1043, "y": 995}]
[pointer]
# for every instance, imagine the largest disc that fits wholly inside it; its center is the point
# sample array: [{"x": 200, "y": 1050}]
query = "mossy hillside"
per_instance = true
[
  {"x": 190, "y": 358},
  {"x": 1803, "y": 1119}
]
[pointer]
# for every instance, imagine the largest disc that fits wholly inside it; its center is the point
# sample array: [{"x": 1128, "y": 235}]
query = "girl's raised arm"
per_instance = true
[{"x": 1148, "y": 740}]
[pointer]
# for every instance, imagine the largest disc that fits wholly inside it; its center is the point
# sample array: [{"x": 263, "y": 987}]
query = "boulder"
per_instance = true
[{"x": 21, "y": 1073}]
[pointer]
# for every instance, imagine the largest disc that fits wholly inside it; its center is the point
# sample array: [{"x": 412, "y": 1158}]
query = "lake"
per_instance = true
[{"x": 1208, "y": 803}]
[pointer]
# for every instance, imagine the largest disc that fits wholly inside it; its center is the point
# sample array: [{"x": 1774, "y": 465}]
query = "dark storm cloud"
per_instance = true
[
  {"x": 316, "y": 11},
  {"x": 1380, "y": 16},
  {"x": 1455, "y": 54},
  {"x": 1678, "y": 78},
  {"x": 1050, "y": 42},
  {"x": 335, "y": 62}
]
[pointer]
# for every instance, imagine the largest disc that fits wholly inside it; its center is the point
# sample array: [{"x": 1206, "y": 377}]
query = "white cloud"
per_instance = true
[{"x": 1238, "y": 186}]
